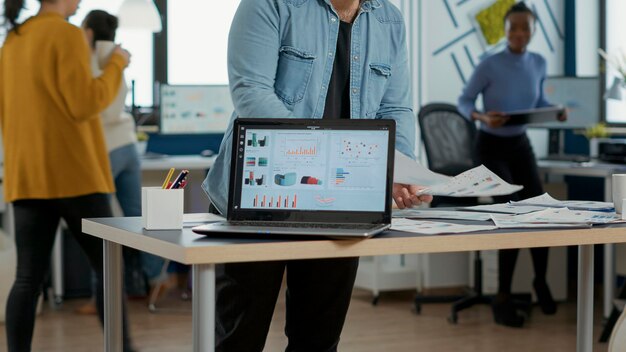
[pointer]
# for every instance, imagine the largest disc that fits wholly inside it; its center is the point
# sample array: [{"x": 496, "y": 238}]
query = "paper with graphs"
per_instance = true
[
  {"x": 477, "y": 182},
  {"x": 409, "y": 171},
  {"x": 545, "y": 200},
  {"x": 435, "y": 228}
]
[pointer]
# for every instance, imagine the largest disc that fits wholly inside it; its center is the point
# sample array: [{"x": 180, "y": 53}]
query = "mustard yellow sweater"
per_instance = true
[{"x": 49, "y": 105}]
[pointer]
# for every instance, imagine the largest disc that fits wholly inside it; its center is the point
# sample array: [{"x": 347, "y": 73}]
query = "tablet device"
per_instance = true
[{"x": 539, "y": 115}]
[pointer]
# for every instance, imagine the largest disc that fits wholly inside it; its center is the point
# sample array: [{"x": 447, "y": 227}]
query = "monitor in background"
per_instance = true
[
  {"x": 580, "y": 95},
  {"x": 199, "y": 109}
]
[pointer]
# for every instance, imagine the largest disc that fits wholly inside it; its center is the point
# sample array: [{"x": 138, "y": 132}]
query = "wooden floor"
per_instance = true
[{"x": 390, "y": 326}]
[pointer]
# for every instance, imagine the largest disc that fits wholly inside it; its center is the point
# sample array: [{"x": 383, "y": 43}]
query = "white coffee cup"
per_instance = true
[
  {"x": 104, "y": 50},
  {"x": 619, "y": 191}
]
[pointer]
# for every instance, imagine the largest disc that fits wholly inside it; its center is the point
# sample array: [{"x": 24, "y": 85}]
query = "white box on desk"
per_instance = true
[{"x": 162, "y": 209}]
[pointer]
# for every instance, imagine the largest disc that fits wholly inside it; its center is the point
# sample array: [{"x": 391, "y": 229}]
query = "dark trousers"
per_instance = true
[
  {"x": 36, "y": 222},
  {"x": 513, "y": 159},
  {"x": 318, "y": 296}
]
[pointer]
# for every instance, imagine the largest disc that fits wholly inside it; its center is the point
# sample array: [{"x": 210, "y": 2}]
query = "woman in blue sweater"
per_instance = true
[{"x": 511, "y": 80}]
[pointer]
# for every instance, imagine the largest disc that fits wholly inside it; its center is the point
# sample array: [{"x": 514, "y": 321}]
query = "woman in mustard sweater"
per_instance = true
[{"x": 56, "y": 164}]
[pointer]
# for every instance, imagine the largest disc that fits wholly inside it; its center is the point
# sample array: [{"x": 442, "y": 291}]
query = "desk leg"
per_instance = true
[
  {"x": 203, "y": 307},
  {"x": 609, "y": 258},
  {"x": 584, "y": 331},
  {"x": 609, "y": 278},
  {"x": 112, "y": 297}
]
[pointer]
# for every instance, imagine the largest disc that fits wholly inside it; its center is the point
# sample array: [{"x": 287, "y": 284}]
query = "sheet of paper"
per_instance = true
[
  {"x": 567, "y": 216},
  {"x": 547, "y": 201},
  {"x": 503, "y": 221},
  {"x": 195, "y": 219},
  {"x": 409, "y": 171},
  {"x": 505, "y": 208},
  {"x": 477, "y": 182},
  {"x": 435, "y": 228},
  {"x": 440, "y": 214}
]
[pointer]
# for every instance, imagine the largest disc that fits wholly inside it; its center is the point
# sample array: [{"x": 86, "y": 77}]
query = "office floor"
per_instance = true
[{"x": 390, "y": 326}]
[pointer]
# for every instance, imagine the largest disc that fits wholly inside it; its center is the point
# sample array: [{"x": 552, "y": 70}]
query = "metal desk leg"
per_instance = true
[
  {"x": 584, "y": 330},
  {"x": 609, "y": 279},
  {"x": 57, "y": 266},
  {"x": 112, "y": 297},
  {"x": 203, "y": 303},
  {"x": 609, "y": 258}
]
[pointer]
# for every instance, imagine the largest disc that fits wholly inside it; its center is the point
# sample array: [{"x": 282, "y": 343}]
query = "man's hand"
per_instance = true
[{"x": 405, "y": 195}]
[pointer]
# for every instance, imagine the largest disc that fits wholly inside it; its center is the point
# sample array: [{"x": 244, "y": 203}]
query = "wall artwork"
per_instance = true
[{"x": 488, "y": 22}]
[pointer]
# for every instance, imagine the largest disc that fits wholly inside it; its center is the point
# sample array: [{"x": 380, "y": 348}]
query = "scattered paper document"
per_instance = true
[
  {"x": 409, "y": 171},
  {"x": 435, "y": 228},
  {"x": 505, "y": 208},
  {"x": 441, "y": 214},
  {"x": 567, "y": 216},
  {"x": 477, "y": 182},
  {"x": 545, "y": 200},
  {"x": 194, "y": 219},
  {"x": 510, "y": 222},
  {"x": 554, "y": 217}
]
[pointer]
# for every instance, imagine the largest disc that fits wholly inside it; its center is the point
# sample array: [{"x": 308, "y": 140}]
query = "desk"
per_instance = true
[
  {"x": 593, "y": 169},
  {"x": 204, "y": 252},
  {"x": 196, "y": 201}
]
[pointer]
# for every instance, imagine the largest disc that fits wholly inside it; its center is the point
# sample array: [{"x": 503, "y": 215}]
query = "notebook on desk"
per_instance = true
[{"x": 309, "y": 177}]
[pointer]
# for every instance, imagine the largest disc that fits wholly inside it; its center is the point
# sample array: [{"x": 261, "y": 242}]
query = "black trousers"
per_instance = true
[
  {"x": 36, "y": 222},
  {"x": 513, "y": 159},
  {"x": 318, "y": 296}
]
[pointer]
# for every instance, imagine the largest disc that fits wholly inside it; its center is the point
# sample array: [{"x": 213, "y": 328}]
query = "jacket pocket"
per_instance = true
[
  {"x": 293, "y": 74},
  {"x": 378, "y": 76}
]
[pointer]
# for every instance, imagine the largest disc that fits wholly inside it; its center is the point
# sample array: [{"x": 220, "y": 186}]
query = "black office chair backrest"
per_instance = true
[{"x": 448, "y": 139}]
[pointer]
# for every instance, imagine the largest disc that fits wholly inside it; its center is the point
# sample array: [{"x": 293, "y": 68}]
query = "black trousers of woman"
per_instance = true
[
  {"x": 36, "y": 222},
  {"x": 513, "y": 159}
]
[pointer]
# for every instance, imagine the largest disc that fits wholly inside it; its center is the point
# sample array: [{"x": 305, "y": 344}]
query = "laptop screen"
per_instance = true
[{"x": 297, "y": 168}]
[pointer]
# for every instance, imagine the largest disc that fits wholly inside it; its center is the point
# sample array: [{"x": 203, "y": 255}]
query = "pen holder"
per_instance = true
[{"x": 162, "y": 209}]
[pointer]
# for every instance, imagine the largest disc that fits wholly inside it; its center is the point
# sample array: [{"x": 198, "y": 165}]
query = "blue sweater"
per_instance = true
[{"x": 508, "y": 82}]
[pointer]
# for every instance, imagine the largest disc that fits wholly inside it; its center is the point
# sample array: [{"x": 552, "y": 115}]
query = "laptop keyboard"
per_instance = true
[{"x": 304, "y": 225}]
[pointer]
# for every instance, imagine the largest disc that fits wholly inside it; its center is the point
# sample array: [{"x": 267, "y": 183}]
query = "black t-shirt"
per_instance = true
[{"x": 338, "y": 95}]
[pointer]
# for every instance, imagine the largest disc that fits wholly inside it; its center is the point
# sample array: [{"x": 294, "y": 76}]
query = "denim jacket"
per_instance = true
[{"x": 280, "y": 59}]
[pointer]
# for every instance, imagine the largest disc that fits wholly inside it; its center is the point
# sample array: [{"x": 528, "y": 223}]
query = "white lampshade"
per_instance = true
[
  {"x": 615, "y": 92},
  {"x": 140, "y": 14}
]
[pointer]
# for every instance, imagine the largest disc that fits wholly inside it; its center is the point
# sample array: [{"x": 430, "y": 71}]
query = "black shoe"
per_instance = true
[
  {"x": 505, "y": 313},
  {"x": 546, "y": 302}
]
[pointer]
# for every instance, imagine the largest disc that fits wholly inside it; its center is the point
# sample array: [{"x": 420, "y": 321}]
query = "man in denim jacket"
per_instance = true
[{"x": 307, "y": 59}]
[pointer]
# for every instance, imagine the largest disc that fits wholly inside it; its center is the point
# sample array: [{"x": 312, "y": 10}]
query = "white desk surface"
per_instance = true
[
  {"x": 187, "y": 247},
  {"x": 189, "y": 162}
]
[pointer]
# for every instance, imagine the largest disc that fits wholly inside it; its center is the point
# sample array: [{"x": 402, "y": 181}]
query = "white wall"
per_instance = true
[{"x": 587, "y": 37}]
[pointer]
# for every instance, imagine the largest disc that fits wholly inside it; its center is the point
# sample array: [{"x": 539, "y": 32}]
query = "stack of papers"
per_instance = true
[
  {"x": 554, "y": 217},
  {"x": 477, "y": 182},
  {"x": 506, "y": 208},
  {"x": 441, "y": 214},
  {"x": 546, "y": 201},
  {"x": 435, "y": 228}
]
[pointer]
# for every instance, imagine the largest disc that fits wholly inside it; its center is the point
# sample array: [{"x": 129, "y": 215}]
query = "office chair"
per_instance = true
[{"x": 448, "y": 140}]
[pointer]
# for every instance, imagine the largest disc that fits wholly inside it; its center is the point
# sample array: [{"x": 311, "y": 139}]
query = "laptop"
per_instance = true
[{"x": 318, "y": 177}]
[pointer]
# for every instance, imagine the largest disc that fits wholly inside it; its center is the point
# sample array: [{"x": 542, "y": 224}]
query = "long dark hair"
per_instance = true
[
  {"x": 520, "y": 7},
  {"x": 103, "y": 25},
  {"x": 12, "y": 9}
]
